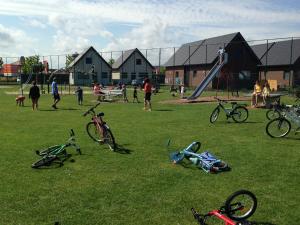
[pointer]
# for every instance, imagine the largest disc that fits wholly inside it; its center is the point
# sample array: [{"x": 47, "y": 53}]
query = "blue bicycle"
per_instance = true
[{"x": 205, "y": 160}]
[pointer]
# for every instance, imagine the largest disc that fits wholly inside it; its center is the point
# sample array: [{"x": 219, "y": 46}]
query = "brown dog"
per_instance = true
[{"x": 20, "y": 100}]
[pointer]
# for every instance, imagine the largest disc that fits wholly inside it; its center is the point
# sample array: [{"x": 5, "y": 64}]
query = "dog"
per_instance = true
[{"x": 20, "y": 100}]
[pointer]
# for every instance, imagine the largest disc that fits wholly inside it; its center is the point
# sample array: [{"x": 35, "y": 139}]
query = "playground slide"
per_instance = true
[{"x": 212, "y": 73}]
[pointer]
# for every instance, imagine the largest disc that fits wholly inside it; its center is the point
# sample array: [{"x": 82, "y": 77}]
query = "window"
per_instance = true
[
  {"x": 133, "y": 76},
  {"x": 245, "y": 75},
  {"x": 124, "y": 76},
  {"x": 143, "y": 75},
  {"x": 286, "y": 75},
  {"x": 104, "y": 75},
  {"x": 177, "y": 74},
  {"x": 138, "y": 61},
  {"x": 88, "y": 60},
  {"x": 82, "y": 76},
  {"x": 194, "y": 73}
]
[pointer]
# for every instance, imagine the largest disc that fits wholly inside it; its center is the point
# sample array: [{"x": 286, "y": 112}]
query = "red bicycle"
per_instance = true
[
  {"x": 238, "y": 207},
  {"x": 98, "y": 130}
]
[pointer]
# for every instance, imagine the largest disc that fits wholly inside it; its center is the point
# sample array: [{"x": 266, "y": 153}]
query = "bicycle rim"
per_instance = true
[
  {"x": 279, "y": 127},
  {"x": 272, "y": 114},
  {"x": 215, "y": 114},
  {"x": 93, "y": 132},
  {"x": 109, "y": 139},
  {"x": 240, "y": 114}
]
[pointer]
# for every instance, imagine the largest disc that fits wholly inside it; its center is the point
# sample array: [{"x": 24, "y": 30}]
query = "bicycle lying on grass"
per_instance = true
[
  {"x": 56, "y": 153},
  {"x": 282, "y": 125},
  {"x": 205, "y": 160},
  {"x": 238, "y": 207},
  {"x": 98, "y": 130},
  {"x": 238, "y": 112}
]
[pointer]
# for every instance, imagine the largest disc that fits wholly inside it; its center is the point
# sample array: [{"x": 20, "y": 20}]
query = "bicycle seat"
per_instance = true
[{"x": 100, "y": 114}]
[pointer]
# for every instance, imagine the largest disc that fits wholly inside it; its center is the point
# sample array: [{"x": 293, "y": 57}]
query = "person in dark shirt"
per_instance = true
[
  {"x": 135, "y": 95},
  {"x": 34, "y": 94},
  {"x": 79, "y": 93}
]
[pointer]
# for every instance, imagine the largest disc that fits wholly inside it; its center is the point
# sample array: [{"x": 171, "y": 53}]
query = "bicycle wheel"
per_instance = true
[
  {"x": 109, "y": 139},
  {"x": 278, "y": 127},
  {"x": 240, "y": 114},
  {"x": 214, "y": 115},
  {"x": 240, "y": 205},
  {"x": 93, "y": 132},
  {"x": 45, "y": 161},
  {"x": 272, "y": 114},
  {"x": 220, "y": 166}
]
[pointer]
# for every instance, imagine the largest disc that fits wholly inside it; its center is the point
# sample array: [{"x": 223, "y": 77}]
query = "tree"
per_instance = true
[
  {"x": 1, "y": 62},
  {"x": 70, "y": 59},
  {"x": 32, "y": 64},
  {"x": 111, "y": 62}
]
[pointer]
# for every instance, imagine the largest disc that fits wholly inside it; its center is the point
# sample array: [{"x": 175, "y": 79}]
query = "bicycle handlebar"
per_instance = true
[
  {"x": 198, "y": 217},
  {"x": 91, "y": 109},
  {"x": 220, "y": 100}
]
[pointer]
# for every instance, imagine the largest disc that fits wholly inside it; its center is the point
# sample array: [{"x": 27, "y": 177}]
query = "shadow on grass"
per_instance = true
[
  {"x": 293, "y": 138},
  {"x": 260, "y": 223},
  {"x": 64, "y": 109},
  {"x": 232, "y": 122},
  {"x": 163, "y": 110},
  {"x": 121, "y": 149}
]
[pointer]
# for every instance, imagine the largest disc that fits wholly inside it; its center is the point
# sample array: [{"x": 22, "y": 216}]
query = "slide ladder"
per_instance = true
[{"x": 212, "y": 73}]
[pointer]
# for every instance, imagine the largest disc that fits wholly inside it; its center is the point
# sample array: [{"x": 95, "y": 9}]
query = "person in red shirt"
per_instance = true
[{"x": 147, "y": 90}]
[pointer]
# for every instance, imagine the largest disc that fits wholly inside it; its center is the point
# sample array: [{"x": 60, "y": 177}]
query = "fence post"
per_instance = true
[
  {"x": 291, "y": 74},
  {"x": 174, "y": 68}
]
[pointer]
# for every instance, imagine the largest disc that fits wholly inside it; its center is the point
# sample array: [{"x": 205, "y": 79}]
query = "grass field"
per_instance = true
[{"x": 140, "y": 186}]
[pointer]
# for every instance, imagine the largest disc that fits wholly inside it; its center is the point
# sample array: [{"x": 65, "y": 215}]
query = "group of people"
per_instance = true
[{"x": 260, "y": 91}]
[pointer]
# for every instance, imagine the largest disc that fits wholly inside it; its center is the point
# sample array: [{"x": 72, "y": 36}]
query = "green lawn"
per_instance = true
[{"x": 142, "y": 187}]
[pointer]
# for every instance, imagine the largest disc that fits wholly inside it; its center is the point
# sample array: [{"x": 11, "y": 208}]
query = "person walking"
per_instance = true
[
  {"x": 79, "y": 93},
  {"x": 135, "y": 95},
  {"x": 34, "y": 94},
  {"x": 124, "y": 92},
  {"x": 147, "y": 99},
  {"x": 55, "y": 93}
]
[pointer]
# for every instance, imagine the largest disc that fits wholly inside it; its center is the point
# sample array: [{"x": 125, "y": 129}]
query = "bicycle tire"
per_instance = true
[
  {"x": 279, "y": 125},
  {"x": 238, "y": 112},
  {"x": 109, "y": 139},
  {"x": 48, "y": 150},
  {"x": 272, "y": 114},
  {"x": 45, "y": 161},
  {"x": 233, "y": 200},
  {"x": 219, "y": 167},
  {"x": 214, "y": 115},
  {"x": 93, "y": 132}
]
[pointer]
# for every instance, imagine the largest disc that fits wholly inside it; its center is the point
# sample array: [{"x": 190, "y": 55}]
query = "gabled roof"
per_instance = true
[
  {"x": 125, "y": 56},
  {"x": 82, "y": 54},
  {"x": 278, "y": 53},
  {"x": 197, "y": 51}
]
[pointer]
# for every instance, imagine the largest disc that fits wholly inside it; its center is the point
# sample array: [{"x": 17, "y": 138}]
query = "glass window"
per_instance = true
[
  {"x": 104, "y": 75},
  {"x": 177, "y": 74},
  {"x": 195, "y": 73},
  {"x": 133, "y": 76},
  {"x": 138, "y": 61},
  {"x": 286, "y": 75},
  {"x": 82, "y": 76},
  {"x": 124, "y": 76},
  {"x": 88, "y": 60}
]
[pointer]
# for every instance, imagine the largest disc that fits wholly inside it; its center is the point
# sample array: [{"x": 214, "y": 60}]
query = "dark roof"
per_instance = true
[
  {"x": 74, "y": 62},
  {"x": 278, "y": 53},
  {"x": 197, "y": 51},
  {"x": 125, "y": 56}
]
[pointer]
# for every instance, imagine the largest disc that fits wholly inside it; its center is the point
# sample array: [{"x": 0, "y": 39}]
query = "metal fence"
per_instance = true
[{"x": 268, "y": 59}]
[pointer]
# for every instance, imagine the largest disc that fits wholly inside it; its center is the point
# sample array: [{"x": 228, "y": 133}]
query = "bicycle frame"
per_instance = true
[
  {"x": 97, "y": 119},
  {"x": 216, "y": 213},
  {"x": 228, "y": 111}
]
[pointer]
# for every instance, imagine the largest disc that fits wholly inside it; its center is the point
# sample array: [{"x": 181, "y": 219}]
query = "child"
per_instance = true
[
  {"x": 135, "y": 97},
  {"x": 79, "y": 93},
  {"x": 34, "y": 94},
  {"x": 124, "y": 92}
]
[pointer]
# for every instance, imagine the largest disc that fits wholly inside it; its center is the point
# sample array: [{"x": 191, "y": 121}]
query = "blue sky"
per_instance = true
[{"x": 65, "y": 26}]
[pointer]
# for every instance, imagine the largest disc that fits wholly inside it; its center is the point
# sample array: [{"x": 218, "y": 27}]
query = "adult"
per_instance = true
[
  {"x": 55, "y": 93},
  {"x": 34, "y": 94},
  {"x": 182, "y": 90},
  {"x": 147, "y": 90},
  {"x": 221, "y": 53},
  {"x": 124, "y": 93},
  {"x": 256, "y": 93}
]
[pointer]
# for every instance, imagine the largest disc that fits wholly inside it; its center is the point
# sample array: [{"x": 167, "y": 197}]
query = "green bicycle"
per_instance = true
[{"x": 56, "y": 153}]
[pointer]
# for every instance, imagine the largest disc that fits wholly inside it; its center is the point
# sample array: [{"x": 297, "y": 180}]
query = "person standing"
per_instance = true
[
  {"x": 147, "y": 90},
  {"x": 124, "y": 92},
  {"x": 79, "y": 93},
  {"x": 135, "y": 95},
  {"x": 55, "y": 93},
  {"x": 221, "y": 53},
  {"x": 34, "y": 94},
  {"x": 182, "y": 91}
]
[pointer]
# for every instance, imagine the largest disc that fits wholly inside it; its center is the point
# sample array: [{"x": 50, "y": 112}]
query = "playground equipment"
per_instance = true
[
  {"x": 56, "y": 153},
  {"x": 212, "y": 73},
  {"x": 238, "y": 207},
  {"x": 204, "y": 160}
]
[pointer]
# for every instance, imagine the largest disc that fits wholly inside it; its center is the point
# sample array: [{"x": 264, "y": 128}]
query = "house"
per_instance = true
[
  {"x": 131, "y": 65},
  {"x": 89, "y": 67},
  {"x": 192, "y": 62},
  {"x": 11, "y": 70},
  {"x": 280, "y": 62}
]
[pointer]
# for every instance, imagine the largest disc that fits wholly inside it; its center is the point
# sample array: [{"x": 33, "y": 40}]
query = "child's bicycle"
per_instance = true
[
  {"x": 98, "y": 130},
  {"x": 56, "y": 153},
  {"x": 238, "y": 112},
  {"x": 205, "y": 160},
  {"x": 238, "y": 207}
]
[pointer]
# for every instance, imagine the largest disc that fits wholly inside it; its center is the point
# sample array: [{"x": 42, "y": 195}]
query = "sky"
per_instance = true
[{"x": 29, "y": 27}]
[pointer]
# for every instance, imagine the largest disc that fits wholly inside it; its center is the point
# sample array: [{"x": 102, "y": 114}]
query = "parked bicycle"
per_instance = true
[
  {"x": 238, "y": 112},
  {"x": 277, "y": 109},
  {"x": 281, "y": 126},
  {"x": 98, "y": 130},
  {"x": 238, "y": 207},
  {"x": 56, "y": 153}
]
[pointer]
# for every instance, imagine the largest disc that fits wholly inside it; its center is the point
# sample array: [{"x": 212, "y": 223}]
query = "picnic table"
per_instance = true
[{"x": 273, "y": 98}]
